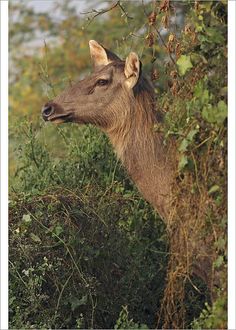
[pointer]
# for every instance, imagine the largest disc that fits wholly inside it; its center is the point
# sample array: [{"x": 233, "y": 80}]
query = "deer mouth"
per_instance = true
[
  {"x": 62, "y": 118},
  {"x": 54, "y": 113}
]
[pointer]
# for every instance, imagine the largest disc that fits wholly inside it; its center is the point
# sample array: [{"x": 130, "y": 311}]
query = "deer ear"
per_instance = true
[
  {"x": 132, "y": 70},
  {"x": 100, "y": 55}
]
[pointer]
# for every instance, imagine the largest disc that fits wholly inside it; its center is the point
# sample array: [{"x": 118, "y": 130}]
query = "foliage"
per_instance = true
[
  {"x": 77, "y": 255},
  {"x": 212, "y": 317},
  {"x": 196, "y": 116},
  {"x": 85, "y": 249},
  {"x": 123, "y": 321}
]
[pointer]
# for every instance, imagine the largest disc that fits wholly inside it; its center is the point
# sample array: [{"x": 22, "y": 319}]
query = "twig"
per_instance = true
[
  {"x": 103, "y": 11},
  {"x": 60, "y": 296},
  {"x": 203, "y": 142},
  {"x": 19, "y": 275},
  {"x": 164, "y": 44},
  {"x": 44, "y": 76}
]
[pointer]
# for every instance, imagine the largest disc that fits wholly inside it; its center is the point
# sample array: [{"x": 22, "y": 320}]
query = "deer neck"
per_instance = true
[{"x": 147, "y": 160}]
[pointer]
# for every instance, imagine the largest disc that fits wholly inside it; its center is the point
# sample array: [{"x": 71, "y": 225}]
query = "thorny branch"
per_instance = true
[{"x": 96, "y": 13}]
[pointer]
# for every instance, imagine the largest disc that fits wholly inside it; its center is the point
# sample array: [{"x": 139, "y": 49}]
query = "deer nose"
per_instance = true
[{"x": 47, "y": 111}]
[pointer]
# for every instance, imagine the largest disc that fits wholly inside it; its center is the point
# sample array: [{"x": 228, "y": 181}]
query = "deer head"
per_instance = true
[{"x": 95, "y": 99}]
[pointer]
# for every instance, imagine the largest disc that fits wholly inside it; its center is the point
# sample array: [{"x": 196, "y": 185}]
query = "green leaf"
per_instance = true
[
  {"x": 184, "y": 64},
  {"x": 58, "y": 230},
  {"x": 213, "y": 189},
  {"x": 35, "y": 238},
  {"x": 214, "y": 35},
  {"x": 76, "y": 302},
  {"x": 220, "y": 243},
  {"x": 184, "y": 145},
  {"x": 215, "y": 114},
  {"x": 191, "y": 134},
  {"x": 182, "y": 162},
  {"x": 189, "y": 138},
  {"x": 223, "y": 110},
  {"x": 26, "y": 218},
  {"x": 201, "y": 93},
  {"x": 208, "y": 113},
  {"x": 219, "y": 261}
]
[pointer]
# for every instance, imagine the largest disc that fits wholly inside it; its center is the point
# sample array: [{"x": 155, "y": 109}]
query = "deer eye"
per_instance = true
[{"x": 102, "y": 82}]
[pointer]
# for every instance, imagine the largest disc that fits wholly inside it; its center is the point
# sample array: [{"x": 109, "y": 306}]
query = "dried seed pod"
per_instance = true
[
  {"x": 177, "y": 50},
  {"x": 174, "y": 88},
  {"x": 171, "y": 37},
  {"x": 196, "y": 5},
  {"x": 152, "y": 18},
  {"x": 170, "y": 47},
  {"x": 170, "y": 44},
  {"x": 165, "y": 21},
  {"x": 165, "y": 5},
  {"x": 221, "y": 162},
  {"x": 165, "y": 108},
  {"x": 170, "y": 83},
  {"x": 150, "y": 39},
  {"x": 154, "y": 74},
  {"x": 187, "y": 29},
  {"x": 194, "y": 36},
  {"x": 173, "y": 74}
]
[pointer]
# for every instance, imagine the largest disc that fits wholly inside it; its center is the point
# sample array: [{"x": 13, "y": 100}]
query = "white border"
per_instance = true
[
  {"x": 231, "y": 165},
  {"x": 4, "y": 164}
]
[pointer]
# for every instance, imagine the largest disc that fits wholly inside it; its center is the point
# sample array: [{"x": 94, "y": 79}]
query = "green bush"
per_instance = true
[
  {"x": 82, "y": 249},
  {"x": 83, "y": 243},
  {"x": 80, "y": 256}
]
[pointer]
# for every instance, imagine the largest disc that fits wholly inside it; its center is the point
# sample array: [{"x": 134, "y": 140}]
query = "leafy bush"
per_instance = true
[
  {"x": 74, "y": 258},
  {"x": 212, "y": 317}
]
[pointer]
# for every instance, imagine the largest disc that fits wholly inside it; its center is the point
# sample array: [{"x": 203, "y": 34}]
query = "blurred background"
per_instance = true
[{"x": 86, "y": 251}]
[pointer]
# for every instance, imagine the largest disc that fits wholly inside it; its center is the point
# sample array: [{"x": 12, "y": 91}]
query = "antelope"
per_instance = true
[{"x": 120, "y": 100}]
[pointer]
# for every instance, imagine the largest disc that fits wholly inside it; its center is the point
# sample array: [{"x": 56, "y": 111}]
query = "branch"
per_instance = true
[
  {"x": 103, "y": 11},
  {"x": 164, "y": 44}
]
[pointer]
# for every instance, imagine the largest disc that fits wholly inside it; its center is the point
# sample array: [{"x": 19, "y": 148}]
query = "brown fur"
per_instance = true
[{"x": 142, "y": 151}]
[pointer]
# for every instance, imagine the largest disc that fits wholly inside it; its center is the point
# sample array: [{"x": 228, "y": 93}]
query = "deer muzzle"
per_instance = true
[
  {"x": 47, "y": 111},
  {"x": 55, "y": 113}
]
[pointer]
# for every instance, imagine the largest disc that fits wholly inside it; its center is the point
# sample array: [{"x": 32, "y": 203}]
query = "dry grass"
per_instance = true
[{"x": 196, "y": 225}]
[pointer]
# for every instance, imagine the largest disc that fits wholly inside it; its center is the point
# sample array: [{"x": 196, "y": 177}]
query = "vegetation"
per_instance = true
[{"x": 86, "y": 251}]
